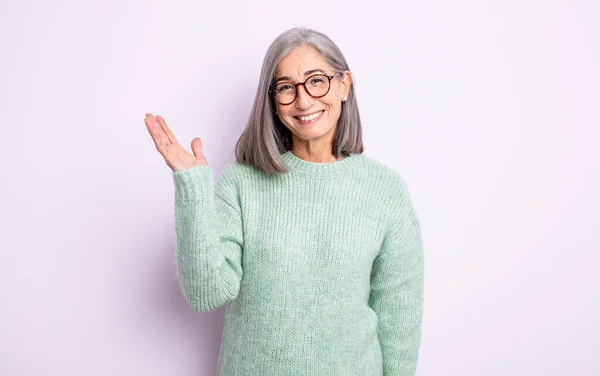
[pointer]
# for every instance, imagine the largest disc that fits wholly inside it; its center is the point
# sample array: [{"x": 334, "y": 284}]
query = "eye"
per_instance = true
[
  {"x": 318, "y": 80},
  {"x": 284, "y": 88}
]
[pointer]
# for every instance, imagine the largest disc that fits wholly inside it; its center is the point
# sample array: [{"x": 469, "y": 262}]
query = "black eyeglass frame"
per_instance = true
[{"x": 329, "y": 78}]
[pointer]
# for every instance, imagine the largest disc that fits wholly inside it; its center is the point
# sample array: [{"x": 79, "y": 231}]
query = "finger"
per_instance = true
[
  {"x": 156, "y": 131},
  {"x": 158, "y": 134},
  {"x": 166, "y": 128}
]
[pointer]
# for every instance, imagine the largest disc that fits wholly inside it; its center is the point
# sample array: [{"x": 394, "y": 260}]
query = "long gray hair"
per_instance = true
[{"x": 265, "y": 137}]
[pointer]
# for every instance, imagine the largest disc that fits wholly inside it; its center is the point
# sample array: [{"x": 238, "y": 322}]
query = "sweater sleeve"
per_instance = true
[
  {"x": 397, "y": 289},
  {"x": 208, "y": 226}
]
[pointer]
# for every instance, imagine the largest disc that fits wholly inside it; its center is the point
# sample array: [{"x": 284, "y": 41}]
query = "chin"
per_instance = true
[
  {"x": 311, "y": 134},
  {"x": 311, "y": 131}
]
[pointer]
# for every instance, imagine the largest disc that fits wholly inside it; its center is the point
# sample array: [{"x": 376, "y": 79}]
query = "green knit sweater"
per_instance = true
[{"x": 321, "y": 267}]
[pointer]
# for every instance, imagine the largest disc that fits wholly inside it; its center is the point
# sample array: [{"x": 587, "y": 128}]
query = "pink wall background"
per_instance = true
[{"x": 488, "y": 109}]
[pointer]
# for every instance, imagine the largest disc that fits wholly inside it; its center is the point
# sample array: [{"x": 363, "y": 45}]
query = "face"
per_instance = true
[{"x": 301, "y": 63}]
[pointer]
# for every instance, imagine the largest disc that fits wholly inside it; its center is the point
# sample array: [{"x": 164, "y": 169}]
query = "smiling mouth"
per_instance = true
[{"x": 309, "y": 117}]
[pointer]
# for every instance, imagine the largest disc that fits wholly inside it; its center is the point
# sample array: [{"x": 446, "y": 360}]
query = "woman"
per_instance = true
[{"x": 315, "y": 247}]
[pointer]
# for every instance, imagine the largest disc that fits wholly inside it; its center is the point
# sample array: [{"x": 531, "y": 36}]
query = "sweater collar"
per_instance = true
[{"x": 299, "y": 165}]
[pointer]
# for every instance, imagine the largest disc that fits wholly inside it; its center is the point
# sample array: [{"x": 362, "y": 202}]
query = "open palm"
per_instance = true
[{"x": 175, "y": 155}]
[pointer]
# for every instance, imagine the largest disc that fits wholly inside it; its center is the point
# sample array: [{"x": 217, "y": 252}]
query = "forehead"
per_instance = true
[{"x": 300, "y": 60}]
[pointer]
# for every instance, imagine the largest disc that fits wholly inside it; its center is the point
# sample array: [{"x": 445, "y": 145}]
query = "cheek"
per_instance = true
[
  {"x": 285, "y": 117},
  {"x": 282, "y": 113},
  {"x": 334, "y": 107},
  {"x": 334, "y": 101}
]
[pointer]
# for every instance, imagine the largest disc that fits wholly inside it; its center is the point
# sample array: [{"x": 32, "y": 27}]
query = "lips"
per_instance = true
[{"x": 310, "y": 116}]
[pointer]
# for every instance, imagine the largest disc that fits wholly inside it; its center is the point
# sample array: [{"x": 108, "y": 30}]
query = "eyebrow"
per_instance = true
[{"x": 286, "y": 78}]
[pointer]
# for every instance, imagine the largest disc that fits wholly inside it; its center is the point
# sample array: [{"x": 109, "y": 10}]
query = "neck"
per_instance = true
[
  {"x": 335, "y": 167},
  {"x": 317, "y": 155}
]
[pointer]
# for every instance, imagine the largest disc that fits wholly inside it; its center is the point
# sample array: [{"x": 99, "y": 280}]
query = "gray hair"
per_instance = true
[{"x": 265, "y": 137}]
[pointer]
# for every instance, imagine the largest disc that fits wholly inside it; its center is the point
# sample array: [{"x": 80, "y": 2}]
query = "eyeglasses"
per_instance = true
[{"x": 316, "y": 86}]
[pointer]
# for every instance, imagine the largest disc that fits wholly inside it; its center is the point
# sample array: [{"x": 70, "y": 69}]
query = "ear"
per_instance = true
[{"x": 346, "y": 83}]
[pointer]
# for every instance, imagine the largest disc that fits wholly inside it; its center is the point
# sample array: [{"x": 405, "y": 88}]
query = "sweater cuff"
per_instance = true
[{"x": 192, "y": 184}]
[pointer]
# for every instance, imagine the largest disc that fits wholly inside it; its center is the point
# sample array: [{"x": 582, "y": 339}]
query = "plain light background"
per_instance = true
[{"x": 488, "y": 109}]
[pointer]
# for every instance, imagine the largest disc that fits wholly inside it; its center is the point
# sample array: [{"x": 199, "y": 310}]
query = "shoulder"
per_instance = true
[
  {"x": 235, "y": 170},
  {"x": 229, "y": 182},
  {"x": 388, "y": 178},
  {"x": 395, "y": 195},
  {"x": 234, "y": 174}
]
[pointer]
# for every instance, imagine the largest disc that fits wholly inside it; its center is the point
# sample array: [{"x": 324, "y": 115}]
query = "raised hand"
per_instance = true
[{"x": 175, "y": 155}]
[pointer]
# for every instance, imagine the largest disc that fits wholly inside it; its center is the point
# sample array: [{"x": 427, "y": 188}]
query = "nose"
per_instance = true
[{"x": 303, "y": 99}]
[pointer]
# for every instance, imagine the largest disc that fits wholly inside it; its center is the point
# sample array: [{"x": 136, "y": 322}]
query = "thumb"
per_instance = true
[{"x": 197, "y": 148}]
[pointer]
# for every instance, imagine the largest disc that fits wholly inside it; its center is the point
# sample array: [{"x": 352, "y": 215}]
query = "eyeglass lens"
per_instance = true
[{"x": 316, "y": 86}]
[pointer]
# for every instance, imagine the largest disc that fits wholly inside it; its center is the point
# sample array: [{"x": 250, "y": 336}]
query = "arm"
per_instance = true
[
  {"x": 208, "y": 226},
  {"x": 397, "y": 289}
]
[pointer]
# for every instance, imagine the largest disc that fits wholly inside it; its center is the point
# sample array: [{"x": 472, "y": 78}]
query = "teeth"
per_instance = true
[{"x": 307, "y": 118}]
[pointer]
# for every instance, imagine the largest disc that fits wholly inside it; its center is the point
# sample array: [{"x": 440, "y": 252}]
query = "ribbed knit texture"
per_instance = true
[{"x": 321, "y": 268}]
